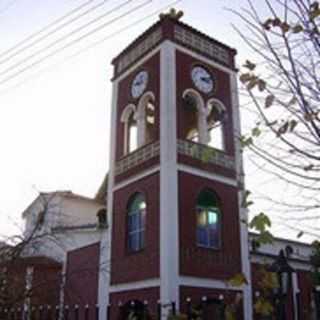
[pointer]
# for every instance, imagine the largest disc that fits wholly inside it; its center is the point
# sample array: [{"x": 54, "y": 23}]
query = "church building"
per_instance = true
[
  {"x": 176, "y": 232},
  {"x": 176, "y": 226}
]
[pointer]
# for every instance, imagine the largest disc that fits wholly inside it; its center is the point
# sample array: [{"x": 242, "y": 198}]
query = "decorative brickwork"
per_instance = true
[
  {"x": 139, "y": 50},
  {"x": 200, "y": 43}
]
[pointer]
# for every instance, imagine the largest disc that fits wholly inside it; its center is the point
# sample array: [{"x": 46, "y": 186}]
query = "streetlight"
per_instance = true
[{"x": 284, "y": 274}]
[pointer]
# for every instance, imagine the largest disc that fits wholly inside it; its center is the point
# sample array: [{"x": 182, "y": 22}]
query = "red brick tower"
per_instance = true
[{"x": 175, "y": 177}]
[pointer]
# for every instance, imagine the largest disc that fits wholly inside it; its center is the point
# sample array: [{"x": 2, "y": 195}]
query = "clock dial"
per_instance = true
[
  {"x": 202, "y": 79},
  {"x": 139, "y": 84}
]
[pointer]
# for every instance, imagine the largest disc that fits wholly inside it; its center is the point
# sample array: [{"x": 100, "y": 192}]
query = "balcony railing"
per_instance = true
[
  {"x": 206, "y": 154},
  {"x": 138, "y": 157}
]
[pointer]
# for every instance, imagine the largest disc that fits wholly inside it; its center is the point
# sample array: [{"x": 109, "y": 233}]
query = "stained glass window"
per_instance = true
[
  {"x": 208, "y": 220},
  {"x": 136, "y": 222}
]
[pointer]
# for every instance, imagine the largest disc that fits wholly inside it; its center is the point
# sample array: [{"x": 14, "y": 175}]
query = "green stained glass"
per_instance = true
[
  {"x": 137, "y": 203},
  {"x": 207, "y": 199},
  {"x": 212, "y": 217}
]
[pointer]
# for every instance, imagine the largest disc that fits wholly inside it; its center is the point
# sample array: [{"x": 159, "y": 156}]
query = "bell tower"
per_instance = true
[{"x": 176, "y": 180}]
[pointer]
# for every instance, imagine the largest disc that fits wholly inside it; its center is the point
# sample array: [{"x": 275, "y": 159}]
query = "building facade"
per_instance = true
[
  {"x": 175, "y": 232},
  {"x": 176, "y": 227}
]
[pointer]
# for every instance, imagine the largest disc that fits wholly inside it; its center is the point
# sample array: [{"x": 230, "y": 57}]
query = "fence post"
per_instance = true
[
  {"x": 173, "y": 308},
  {"x": 189, "y": 309},
  {"x": 159, "y": 310},
  {"x": 108, "y": 311},
  {"x": 40, "y": 312},
  {"x": 26, "y": 313},
  {"x": 97, "y": 312},
  {"x": 57, "y": 314},
  {"x": 120, "y": 309},
  {"x": 48, "y": 313},
  {"x": 86, "y": 312},
  {"x": 11, "y": 314},
  {"x": 66, "y": 313},
  {"x": 204, "y": 307},
  {"x": 76, "y": 312},
  {"x": 145, "y": 310}
]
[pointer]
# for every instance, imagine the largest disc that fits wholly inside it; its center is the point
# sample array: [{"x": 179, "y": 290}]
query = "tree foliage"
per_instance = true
[{"x": 281, "y": 88}]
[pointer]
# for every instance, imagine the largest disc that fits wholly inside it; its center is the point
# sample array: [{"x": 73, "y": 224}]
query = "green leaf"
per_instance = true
[
  {"x": 285, "y": 27},
  {"x": 267, "y": 23},
  {"x": 265, "y": 237},
  {"x": 263, "y": 307},
  {"x": 246, "y": 141},
  {"x": 308, "y": 168},
  {"x": 292, "y": 101},
  {"x": 261, "y": 85},
  {"x": 276, "y": 22},
  {"x": 283, "y": 129},
  {"x": 293, "y": 124},
  {"x": 238, "y": 280},
  {"x": 252, "y": 83},
  {"x": 249, "y": 65},
  {"x": 260, "y": 222},
  {"x": 228, "y": 314},
  {"x": 245, "y": 77},
  {"x": 269, "y": 101},
  {"x": 315, "y": 13},
  {"x": 297, "y": 29},
  {"x": 256, "y": 132},
  {"x": 245, "y": 201},
  {"x": 300, "y": 234}
]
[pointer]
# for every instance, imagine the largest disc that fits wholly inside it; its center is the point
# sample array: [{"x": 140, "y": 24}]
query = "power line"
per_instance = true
[
  {"x": 61, "y": 39},
  {"x": 45, "y": 28},
  {"x": 46, "y": 35},
  {"x": 94, "y": 44},
  {"x": 14, "y": 75}
]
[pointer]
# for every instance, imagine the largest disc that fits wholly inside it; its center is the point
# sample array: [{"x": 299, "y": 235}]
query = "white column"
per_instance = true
[
  {"x": 141, "y": 125},
  {"x": 105, "y": 242},
  {"x": 295, "y": 291},
  {"x": 169, "y": 239},
  {"x": 244, "y": 240}
]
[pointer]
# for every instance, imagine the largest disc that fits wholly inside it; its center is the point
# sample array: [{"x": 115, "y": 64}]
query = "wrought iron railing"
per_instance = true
[
  {"x": 138, "y": 157},
  {"x": 205, "y": 153}
]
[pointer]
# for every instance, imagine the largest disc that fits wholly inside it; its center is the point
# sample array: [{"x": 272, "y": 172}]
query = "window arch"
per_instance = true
[
  {"x": 204, "y": 122},
  {"x": 128, "y": 117},
  {"x": 136, "y": 212},
  {"x": 208, "y": 220},
  {"x": 139, "y": 123},
  {"x": 216, "y": 118},
  {"x": 146, "y": 118}
]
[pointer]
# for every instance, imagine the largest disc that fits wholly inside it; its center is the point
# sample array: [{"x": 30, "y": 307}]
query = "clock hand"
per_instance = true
[{"x": 205, "y": 79}]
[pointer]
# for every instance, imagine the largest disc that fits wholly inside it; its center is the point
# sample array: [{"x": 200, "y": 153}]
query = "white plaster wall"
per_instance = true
[
  {"x": 62, "y": 211},
  {"x": 301, "y": 251},
  {"x": 78, "y": 212}
]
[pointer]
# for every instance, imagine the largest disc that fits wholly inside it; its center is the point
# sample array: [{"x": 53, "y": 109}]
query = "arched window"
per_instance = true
[
  {"x": 216, "y": 118},
  {"x": 208, "y": 220},
  {"x": 146, "y": 119},
  {"x": 150, "y": 123},
  {"x": 132, "y": 134},
  {"x": 136, "y": 222},
  {"x": 128, "y": 117},
  {"x": 192, "y": 103},
  {"x": 203, "y": 122}
]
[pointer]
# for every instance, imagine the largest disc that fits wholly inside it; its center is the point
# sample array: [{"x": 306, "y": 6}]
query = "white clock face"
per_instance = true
[
  {"x": 202, "y": 79},
  {"x": 139, "y": 84}
]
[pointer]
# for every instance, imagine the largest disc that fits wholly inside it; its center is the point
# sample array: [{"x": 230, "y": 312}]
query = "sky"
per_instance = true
[{"x": 55, "y": 110}]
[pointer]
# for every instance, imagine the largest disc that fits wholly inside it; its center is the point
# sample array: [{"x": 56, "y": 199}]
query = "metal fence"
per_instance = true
[{"x": 130, "y": 310}]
